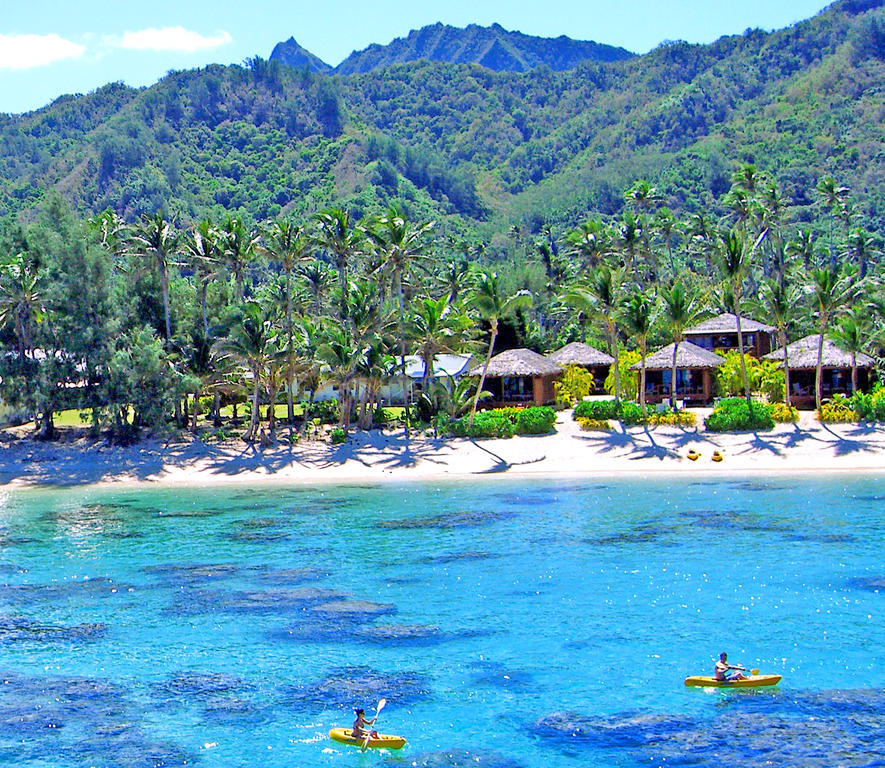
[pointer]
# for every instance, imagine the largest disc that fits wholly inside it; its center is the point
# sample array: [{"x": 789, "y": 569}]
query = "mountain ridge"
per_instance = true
[{"x": 493, "y": 47}]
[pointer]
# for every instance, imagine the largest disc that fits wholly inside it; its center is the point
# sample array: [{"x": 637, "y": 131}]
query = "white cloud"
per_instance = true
[
  {"x": 29, "y": 51},
  {"x": 172, "y": 39}
]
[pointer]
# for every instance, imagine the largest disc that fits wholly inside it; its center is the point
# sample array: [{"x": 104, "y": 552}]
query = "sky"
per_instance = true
[{"x": 53, "y": 47}]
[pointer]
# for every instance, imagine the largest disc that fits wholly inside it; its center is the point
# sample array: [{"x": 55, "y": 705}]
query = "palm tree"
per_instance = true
[
  {"x": 21, "y": 300},
  {"x": 402, "y": 243},
  {"x": 861, "y": 249},
  {"x": 666, "y": 226},
  {"x": 202, "y": 250},
  {"x": 643, "y": 196},
  {"x": 338, "y": 235},
  {"x": 638, "y": 318},
  {"x": 317, "y": 276},
  {"x": 831, "y": 289},
  {"x": 778, "y": 300},
  {"x": 239, "y": 246},
  {"x": 831, "y": 198},
  {"x": 681, "y": 307},
  {"x": 589, "y": 241},
  {"x": 155, "y": 238},
  {"x": 436, "y": 327},
  {"x": 489, "y": 300},
  {"x": 602, "y": 297},
  {"x": 803, "y": 247},
  {"x": 853, "y": 334},
  {"x": 289, "y": 245},
  {"x": 340, "y": 358},
  {"x": 250, "y": 344},
  {"x": 735, "y": 265}
]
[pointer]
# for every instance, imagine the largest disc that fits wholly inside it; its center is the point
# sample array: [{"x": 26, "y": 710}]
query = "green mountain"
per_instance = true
[
  {"x": 479, "y": 151},
  {"x": 293, "y": 55},
  {"x": 492, "y": 47}
]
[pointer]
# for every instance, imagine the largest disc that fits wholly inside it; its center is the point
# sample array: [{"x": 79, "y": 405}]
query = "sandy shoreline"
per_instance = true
[{"x": 387, "y": 457}]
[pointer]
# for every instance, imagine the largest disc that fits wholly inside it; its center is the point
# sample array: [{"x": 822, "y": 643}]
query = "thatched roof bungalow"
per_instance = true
[
  {"x": 835, "y": 373},
  {"x": 519, "y": 377},
  {"x": 695, "y": 368},
  {"x": 596, "y": 362},
  {"x": 720, "y": 333}
]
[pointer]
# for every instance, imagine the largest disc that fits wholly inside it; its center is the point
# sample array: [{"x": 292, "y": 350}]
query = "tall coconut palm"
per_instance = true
[
  {"x": 316, "y": 276},
  {"x": 289, "y": 245},
  {"x": 402, "y": 243},
  {"x": 853, "y": 334},
  {"x": 436, "y": 327},
  {"x": 831, "y": 197},
  {"x": 861, "y": 249},
  {"x": 642, "y": 196},
  {"x": 454, "y": 278},
  {"x": 638, "y": 316},
  {"x": 155, "y": 238},
  {"x": 734, "y": 263},
  {"x": 340, "y": 358},
  {"x": 337, "y": 234},
  {"x": 803, "y": 246},
  {"x": 602, "y": 297},
  {"x": 831, "y": 289},
  {"x": 589, "y": 242},
  {"x": 202, "y": 251},
  {"x": 681, "y": 306},
  {"x": 779, "y": 300},
  {"x": 239, "y": 246},
  {"x": 492, "y": 304},
  {"x": 250, "y": 344}
]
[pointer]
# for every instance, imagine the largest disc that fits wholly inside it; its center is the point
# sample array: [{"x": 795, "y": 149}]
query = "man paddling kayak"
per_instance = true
[{"x": 722, "y": 667}]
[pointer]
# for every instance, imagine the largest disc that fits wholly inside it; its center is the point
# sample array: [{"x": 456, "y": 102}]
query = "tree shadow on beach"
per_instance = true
[
  {"x": 644, "y": 443},
  {"x": 500, "y": 464}
]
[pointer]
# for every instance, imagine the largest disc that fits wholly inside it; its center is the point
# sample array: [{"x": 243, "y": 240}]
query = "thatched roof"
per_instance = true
[
  {"x": 803, "y": 354},
  {"x": 727, "y": 323},
  {"x": 688, "y": 356},
  {"x": 578, "y": 353},
  {"x": 518, "y": 362}
]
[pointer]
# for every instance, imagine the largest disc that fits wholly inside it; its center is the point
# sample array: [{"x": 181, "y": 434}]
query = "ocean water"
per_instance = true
[{"x": 507, "y": 624}]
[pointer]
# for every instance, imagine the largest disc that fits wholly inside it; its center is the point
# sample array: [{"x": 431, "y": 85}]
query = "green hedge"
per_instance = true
[
  {"x": 596, "y": 409},
  {"x": 732, "y": 414},
  {"x": 506, "y": 422},
  {"x": 869, "y": 406}
]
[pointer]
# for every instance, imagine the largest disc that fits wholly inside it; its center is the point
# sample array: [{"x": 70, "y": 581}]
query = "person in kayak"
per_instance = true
[
  {"x": 359, "y": 730},
  {"x": 722, "y": 667}
]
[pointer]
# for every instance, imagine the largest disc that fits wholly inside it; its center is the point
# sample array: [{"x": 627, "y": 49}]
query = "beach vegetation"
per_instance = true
[
  {"x": 869, "y": 406},
  {"x": 599, "y": 410},
  {"x": 734, "y": 414},
  {"x": 837, "y": 410},
  {"x": 594, "y": 425},
  {"x": 629, "y": 380},
  {"x": 782, "y": 413},
  {"x": 576, "y": 383}
]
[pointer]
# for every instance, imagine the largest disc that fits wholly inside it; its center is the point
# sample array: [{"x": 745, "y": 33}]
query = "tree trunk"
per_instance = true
[
  {"x": 853, "y": 372},
  {"x": 643, "y": 351},
  {"x": 613, "y": 340},
  {"x": 673, "y": 377},
  {"x": 741, "y": 350},
  {"x": 164, "y": 285},
  {"x": 783, "y": 339},
  {"x": 818, "y": 373},
  {"x": 253, "y": 422},
  {"x": 485, "y": 368}
]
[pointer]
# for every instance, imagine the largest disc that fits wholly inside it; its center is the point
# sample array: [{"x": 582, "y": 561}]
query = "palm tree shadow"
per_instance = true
[{"x": 500, "y": 464}]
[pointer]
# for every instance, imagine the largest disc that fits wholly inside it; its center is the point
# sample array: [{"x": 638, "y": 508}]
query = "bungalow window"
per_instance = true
[
  {"x": 684, "y": 379},
  {"x": 516, "y": 388}
]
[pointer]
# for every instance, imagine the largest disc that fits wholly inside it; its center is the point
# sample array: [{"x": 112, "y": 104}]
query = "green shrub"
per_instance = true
[
  {"x": 576, "y": 382},
  {"x": 733, "y": 415},
  {"x": 869, "y": 406},
  {"x": 338, "y": 436},
  {"x": 596, "y": 409},
  {"x": 535, "y": 420},
  {"x": 594, "y": 424},
  {"x": 839, "y": 410},
  {"x": 782, "y": 414},
  {"x": 485, "y": 424},
  {"x": 633, "y": 413}
]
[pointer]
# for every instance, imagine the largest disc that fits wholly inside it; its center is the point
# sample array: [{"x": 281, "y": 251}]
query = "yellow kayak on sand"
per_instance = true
[
  {"x": 384, "y": 740},
  {"x": 751, "y": 681}
]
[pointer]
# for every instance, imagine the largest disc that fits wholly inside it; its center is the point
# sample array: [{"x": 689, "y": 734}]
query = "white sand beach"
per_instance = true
[{"x": 808, "y": 446}]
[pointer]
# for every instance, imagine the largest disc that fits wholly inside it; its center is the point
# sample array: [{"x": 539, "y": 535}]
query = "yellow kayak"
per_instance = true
[
  {"x": 752, "y": 681},
  {"x": 384, "y": 740}
]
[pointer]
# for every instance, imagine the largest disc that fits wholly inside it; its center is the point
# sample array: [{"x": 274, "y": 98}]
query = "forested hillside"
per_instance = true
[{"x": 478, "y": 150}]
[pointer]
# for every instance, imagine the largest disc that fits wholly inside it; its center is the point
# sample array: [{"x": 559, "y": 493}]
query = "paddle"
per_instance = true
[{"x": 381, "y": 705}]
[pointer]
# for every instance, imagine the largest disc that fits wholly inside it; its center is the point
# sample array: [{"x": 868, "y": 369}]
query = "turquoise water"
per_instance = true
[{"x": 507, "y": 624}]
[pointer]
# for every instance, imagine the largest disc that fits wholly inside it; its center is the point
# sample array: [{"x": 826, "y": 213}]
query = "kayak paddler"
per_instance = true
[
  {"x": 359, "y": 731},
  {"x": 721, "y": 670}
]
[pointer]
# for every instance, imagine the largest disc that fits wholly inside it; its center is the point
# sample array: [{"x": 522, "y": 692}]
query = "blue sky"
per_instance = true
[{"x": 52, "y": 47}]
